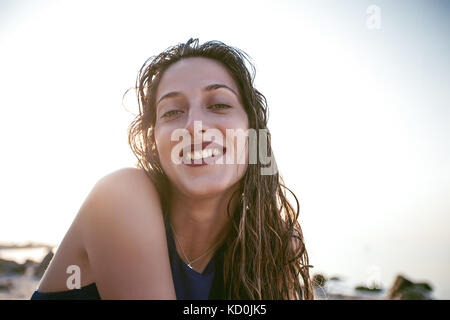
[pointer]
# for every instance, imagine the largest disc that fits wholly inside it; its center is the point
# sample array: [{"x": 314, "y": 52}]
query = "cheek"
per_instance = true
[
  {"x": 163, "y": 143},
  {"x": 237, "y": 138}
]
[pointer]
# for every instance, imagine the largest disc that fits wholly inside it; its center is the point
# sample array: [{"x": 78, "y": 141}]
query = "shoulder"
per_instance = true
[
  {"x": 128, "y": 173},
  {"x": 126, "y": 178},
  {"x": 124, "y": 187},
  {"x": 123, "y": 234},
  {"x": 126, "y": 196}
]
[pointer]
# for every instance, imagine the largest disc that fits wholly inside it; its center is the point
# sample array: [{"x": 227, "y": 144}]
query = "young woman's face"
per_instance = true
[{"x": 216, "y": 110}]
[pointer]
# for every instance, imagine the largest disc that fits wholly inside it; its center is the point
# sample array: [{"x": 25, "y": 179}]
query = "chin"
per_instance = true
[
  {"x": 204, "y": 187},
  {"x": 203, "y": 184}
]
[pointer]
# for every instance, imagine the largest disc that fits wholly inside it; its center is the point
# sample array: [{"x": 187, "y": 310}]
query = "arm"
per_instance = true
[{"x": 124, "y": 237}]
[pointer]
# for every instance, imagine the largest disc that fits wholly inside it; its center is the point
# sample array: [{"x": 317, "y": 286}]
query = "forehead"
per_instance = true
[{"x": 194, "y": 73}]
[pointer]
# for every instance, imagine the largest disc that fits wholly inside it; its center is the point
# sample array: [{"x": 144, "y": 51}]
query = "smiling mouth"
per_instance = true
[{"x": 207, "y": 155}]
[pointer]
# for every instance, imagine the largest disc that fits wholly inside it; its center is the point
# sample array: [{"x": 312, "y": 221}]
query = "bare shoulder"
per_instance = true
[
  {"x": 121, "y": 195},
  {"x": 124, "y": 237},
  {"x": 125, "y": 188},
  {"x": 129, "y": 177},
  {"x": 129, "y": 174}
]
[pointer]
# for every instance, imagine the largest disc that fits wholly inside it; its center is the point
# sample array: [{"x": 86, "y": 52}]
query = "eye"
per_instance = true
[
  {"x": 219, "y": 106},
  {"x": 170, "y": 113}
]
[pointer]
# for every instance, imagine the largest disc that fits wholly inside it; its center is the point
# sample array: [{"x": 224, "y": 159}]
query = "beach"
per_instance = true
[{"x": 21, "y": 269}]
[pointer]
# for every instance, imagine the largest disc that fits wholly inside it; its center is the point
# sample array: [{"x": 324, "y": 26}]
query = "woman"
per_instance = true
[{"x": 228, "y": 228}]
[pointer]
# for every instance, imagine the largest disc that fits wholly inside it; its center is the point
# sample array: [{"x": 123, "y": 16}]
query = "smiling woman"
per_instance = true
[
  {"x": 200, "y": 228},
  {"x": 213, "y": 204}
]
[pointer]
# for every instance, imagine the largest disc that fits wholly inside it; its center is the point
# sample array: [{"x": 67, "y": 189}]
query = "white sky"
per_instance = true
[{"x": 358, "y": 116}]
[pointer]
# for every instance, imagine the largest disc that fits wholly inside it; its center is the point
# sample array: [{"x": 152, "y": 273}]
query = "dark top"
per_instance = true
[{"x": 189, "y": 284}]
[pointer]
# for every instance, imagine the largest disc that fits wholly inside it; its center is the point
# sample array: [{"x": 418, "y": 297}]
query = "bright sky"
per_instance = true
[{"x": 358, "y": 116}]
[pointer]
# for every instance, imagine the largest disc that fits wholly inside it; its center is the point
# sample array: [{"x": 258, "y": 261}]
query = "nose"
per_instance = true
[{"x": 197, "y": 123}]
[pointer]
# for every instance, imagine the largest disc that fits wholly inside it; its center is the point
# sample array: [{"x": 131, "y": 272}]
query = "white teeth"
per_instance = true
[{"x": 201, "y": 154}]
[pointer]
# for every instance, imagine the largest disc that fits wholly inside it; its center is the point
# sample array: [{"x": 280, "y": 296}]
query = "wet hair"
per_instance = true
[{"x": 265, "y": 255}]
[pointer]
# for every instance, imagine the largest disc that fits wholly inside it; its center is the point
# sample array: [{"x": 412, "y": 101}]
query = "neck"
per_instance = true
[{"x": 200, "y": 224}]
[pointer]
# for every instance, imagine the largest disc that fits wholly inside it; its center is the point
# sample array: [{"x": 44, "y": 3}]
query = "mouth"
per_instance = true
[{"x": 200, "y": 155}]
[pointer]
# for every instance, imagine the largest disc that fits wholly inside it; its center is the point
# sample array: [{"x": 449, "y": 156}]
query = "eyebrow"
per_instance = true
[{"x": 210, "y": 87}]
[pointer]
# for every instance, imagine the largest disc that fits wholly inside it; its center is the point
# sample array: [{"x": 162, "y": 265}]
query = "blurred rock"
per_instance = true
[
  {"x": 319, "y": 279},
  {"x": 40, "y": 270},
  {"x": 6, "y": 285},
  {"x": 404, "y": 289},
  {"x": 20, "y": 269},
  {"x": 367, "y": 289},
  {"x": 11, "y": 267},
  {"x": 30, "y": 263},
  {"x": 30, "y": 267}
]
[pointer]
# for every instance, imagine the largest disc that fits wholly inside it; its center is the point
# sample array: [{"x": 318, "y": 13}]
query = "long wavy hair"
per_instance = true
[{"x": 265, "y": 255}]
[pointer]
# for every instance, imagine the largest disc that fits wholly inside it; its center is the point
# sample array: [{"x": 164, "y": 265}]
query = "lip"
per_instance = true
[
  {"x": 204, "y": 145},
  {"x": 210, "y": 160},
  {"x": 196, "y": 165}
]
